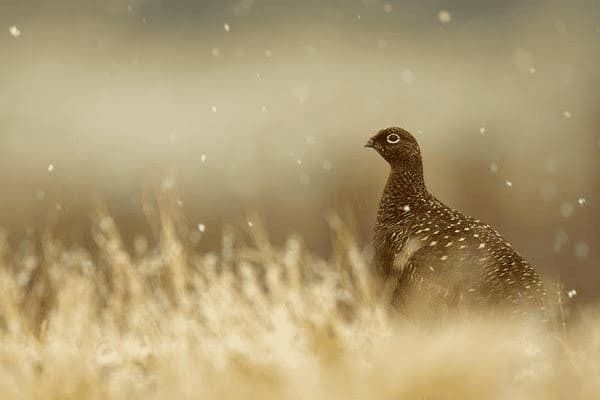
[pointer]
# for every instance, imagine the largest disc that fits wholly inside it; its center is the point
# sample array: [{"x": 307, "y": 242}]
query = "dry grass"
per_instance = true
[{"x": 253, "y": 321}]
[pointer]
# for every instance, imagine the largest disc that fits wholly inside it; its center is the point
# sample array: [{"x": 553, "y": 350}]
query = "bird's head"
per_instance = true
[{"x": 398, "y": 147}]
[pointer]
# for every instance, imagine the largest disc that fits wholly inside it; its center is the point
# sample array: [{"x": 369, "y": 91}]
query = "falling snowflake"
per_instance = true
[
  {"x": 560, "y": 239},
  {"x": 263, "y": 108},
  {"x": 213, "y": 109},
  {"x": 407, "y": 76},
  {"x": 523, "y": 60},
  {"x": 572, "y": 293},
  {"x": 567, "y": 114},
  {"x": 582, "y": 250},
  {"x": 203, "y": 158},
  {"x": 444, "y": 16},
  {"x": 581, "y": 201},
  {"x": 482, "y": 130},
  {"x": 14, "y": 31},
  {"x": 268, "y": 53},
  {"x": 50, "y": 167},
  {"x": 215, "y": 52},
  {"x": 201, "y": 228},
  {"x": 226, "y": 27},
  {"x": 532, "y": 70},
  {"x": 168, "y": 183},
  {"x": 566, "y": 209},
  {"x": 250, "y": 224},
  {"x": 299, "y": 162},
  {"x": 406, "y": 208},
  {"x": 509, "y": 183},
  {"x": 494, "y": 167}
]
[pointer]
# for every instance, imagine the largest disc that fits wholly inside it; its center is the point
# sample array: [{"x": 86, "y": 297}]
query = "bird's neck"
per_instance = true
[{"x": 404, "y": 192}]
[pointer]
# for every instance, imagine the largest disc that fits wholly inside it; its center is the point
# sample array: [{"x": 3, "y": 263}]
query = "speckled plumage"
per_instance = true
[{"x": 428, "y": 250}]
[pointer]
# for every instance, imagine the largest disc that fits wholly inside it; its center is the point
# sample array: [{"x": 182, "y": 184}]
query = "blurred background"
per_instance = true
[{"x": 264, "y": 106}]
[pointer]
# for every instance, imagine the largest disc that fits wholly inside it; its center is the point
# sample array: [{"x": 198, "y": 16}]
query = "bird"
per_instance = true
[{"x": 427, "y": 252}]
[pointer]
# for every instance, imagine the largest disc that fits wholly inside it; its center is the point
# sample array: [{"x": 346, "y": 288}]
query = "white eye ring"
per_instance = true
[{"x": 392, "y": 138}]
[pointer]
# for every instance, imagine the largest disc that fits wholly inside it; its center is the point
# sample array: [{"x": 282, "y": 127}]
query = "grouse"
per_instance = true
[{"x": 428, "y": 251}]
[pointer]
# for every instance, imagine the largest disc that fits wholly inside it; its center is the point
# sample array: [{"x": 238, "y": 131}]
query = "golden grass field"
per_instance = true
[{"x": 253, "y": 321}]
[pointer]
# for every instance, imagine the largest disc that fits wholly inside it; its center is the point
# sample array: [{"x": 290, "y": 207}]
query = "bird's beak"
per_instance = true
[{"x": 370, "y": 143}]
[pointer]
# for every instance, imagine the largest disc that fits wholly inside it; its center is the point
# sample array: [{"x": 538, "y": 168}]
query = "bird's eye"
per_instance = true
[{"x": 392, "y": 138}]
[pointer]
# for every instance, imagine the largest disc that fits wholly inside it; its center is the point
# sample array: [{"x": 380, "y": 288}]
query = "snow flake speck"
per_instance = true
[
  {"x": 50, "y": 167},
  {"x": 407, "y": 76},
  {"x": 213, "y": 109},
  {"x": 406, "y": 208},
  {"x": 443, "y": 258},
  {"x": 509, "y": 183},
  {"x": 482, "y": 130},
  {"x": 203, "y": 158},
  {"x": 444, "y": 16},
  {"x": 201, "y": 228},
  {"x": 582, "y": 250},
  {"x": 572, "y": 293},
  {"x": 560, "y": 239},
  {"x": 567, "y": 114},
  {"x": 168, "y": 183},
  {"x": 14, "y": 31},
  {"x": 226, "y": 27},
  {"x": 567, "y": 209},
  {"x": 250, "y": 224},
  {"x": 581, "y": 201}
]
